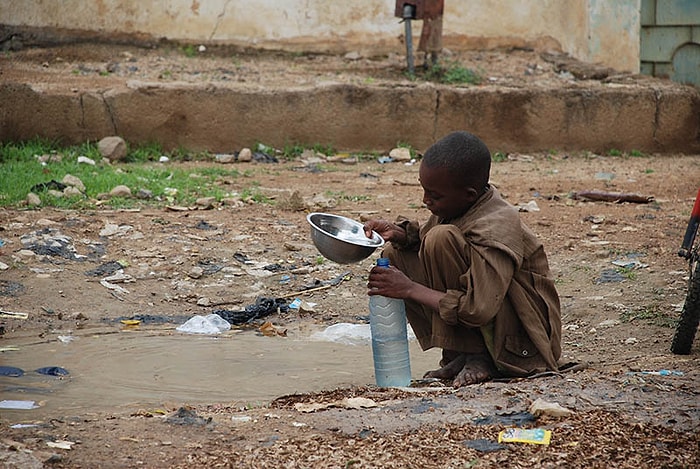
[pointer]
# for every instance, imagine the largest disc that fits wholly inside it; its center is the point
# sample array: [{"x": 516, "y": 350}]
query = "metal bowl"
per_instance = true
[{"x": 341, "y": 239}]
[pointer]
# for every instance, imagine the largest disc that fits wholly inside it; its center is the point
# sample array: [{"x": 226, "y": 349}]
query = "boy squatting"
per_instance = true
[{"x": 474, "y": 278}]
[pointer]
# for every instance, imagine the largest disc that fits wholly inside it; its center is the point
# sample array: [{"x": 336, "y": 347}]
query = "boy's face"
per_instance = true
[{"x": 444, "y": 195}]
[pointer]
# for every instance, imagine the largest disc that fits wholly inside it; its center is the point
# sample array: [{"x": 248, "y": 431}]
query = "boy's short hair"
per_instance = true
[{"x": 465, "y": 155}]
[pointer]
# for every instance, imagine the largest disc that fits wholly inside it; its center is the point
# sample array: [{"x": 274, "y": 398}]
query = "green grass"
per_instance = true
[
  {"x": 168, "y": 183},
  {"x": 341, "y": 195},
  {"x": 453, "y": 73},
  {"x": 649, "y": 314},
  {"x": 499, "y": 157},
  {"x": 292, "y": 151},
  {"x": 189, "y": 50}
]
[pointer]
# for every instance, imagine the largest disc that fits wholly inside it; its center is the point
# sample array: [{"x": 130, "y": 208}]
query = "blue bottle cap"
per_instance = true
[{"x": 383, "y": 262}]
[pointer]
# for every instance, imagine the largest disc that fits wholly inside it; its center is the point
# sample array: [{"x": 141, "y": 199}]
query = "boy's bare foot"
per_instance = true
[
  {"x": 465, "y": 369},
  {"x": 477, "y": 369},
  {"x": 449, "y": 367}
]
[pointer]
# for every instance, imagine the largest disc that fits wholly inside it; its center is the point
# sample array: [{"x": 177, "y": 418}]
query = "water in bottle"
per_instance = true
[{"x": 387, "y": 319}]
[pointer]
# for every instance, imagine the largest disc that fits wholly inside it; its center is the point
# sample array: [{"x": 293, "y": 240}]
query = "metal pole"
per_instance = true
[{"x": 408, "y": 13}]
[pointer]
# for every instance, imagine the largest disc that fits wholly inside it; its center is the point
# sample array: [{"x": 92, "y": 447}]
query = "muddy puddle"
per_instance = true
[{"x": 148, "y": 369}]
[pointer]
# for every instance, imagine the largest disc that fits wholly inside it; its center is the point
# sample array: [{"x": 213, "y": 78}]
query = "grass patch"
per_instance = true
[
  {"x": 651, "y": 315},
  {"x": 453, "y": 73},
  {"x": 499, "y": 157},
  {"x": 293, "y": 151},
  {"x": 348, "y": 197},
  {"x": 189, "y": 50},
  {"x": 32, "y": 166}
]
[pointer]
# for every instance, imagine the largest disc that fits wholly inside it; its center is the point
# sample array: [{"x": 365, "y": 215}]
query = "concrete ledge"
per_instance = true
[{"x": 359, "y": 118}]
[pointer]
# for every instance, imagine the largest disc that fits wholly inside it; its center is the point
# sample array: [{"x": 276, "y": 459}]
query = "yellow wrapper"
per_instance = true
[{"x": 535, "y": 436}]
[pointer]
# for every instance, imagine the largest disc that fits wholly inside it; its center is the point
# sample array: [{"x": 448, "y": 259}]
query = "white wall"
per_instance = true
[{"x": 592, "y": 30}]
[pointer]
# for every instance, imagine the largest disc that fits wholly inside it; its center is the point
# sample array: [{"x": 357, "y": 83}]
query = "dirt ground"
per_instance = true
[{"x": 617, "y": 319}]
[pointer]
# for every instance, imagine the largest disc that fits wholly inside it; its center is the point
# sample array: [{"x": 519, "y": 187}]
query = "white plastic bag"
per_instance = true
[
  {"x": 210, "y": 324},
  {"x": 350, "y": 334}
]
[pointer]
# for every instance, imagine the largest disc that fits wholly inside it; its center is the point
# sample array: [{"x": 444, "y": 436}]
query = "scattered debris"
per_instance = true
[
  {"x": 51, "y": 242},
  {"x": 10, "y": 288},
  {"x": 17, "y": 405},
  {"x": 186, "y": 416},
  {"x": 13, "y": 315},
  {"x": 268, "y": 330},
  {"x": 531, "y": 206},
  {"x": 105, "y": 269},
  {"x": 11, "y": 371},
  {"x": 610, "y": 276},
  {"x": 209, "y": 324},
  {"x": 262, "y": 307},
  {"x": 535, "y": 436},
  {"x": 346, "y": 403},
  {"x": 613, "y": 197},
  {"x": 553, "y": 409},
  {"x": 483, "y": 445},
  {"x": 60, "y": 444},
  {"x": 658, "y": 373}
]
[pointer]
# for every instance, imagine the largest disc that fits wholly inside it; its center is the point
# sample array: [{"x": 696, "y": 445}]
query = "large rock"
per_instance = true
[{"x": 112, "y": 148}]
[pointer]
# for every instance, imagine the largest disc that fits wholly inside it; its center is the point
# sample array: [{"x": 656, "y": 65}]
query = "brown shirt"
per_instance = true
[{"x": 506, "y": 289}]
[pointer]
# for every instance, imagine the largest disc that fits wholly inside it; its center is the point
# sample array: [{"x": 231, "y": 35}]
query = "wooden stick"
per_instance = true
[
  {"x": 322, "y": 287},
  {"x": 614, "y": 197}
]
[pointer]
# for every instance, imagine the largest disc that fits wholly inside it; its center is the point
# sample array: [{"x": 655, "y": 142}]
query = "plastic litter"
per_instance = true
[
  {"x": 262, "y": 307},
  {"x": 554, "y": 409},
  {"x": 509, "y": 418},
  {"x": 52, "y": 371},
  {"x": 350, "y": 334},
  {"x": 18, "y": 405},
  {"x": 658, "y": 373},
  {"x": 483, "y": 445},
  {"x": 11, "y": 371},
  {"x": 535, "y": 436},
  {"x": 345, "y": 333},
  {"x": 210, "y": 324}
]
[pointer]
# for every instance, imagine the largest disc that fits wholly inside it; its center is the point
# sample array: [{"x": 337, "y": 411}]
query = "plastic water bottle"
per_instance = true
[{"x": 387, "y": 320}]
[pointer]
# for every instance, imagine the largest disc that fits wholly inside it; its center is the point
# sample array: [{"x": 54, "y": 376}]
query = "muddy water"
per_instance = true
[{"x": 149, "y": 369}]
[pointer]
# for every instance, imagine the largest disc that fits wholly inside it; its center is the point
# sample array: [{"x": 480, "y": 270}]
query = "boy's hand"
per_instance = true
[
  {"x": 387, "y": 230},
  {"x": 389, "y": 281}
]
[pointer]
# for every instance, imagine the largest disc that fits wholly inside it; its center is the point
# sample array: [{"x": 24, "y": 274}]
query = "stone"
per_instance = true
[
  {"x": 245, "y": 155},
  {"x": 112, "y": 148},
  {"x": 71, "y": 191},
  {"x": 73, "y": 181},
  {"x": 85, "y": 160},
  {"x": 54, "y": 193},
  {"x": 224, "y": 158},
  {"x": 400, "y": 154},
  {"x": 196, "y": 272},
  {"x": 232, "y": 202},
  {"x": 33, "y": 199},
  {"x": 44, "y": 222},
  {"x": 49, "y": 158},
  {"x": 206, "y": 202},
  {"x": 120, "y": 191},
  {"x": 144, "y": 194}
]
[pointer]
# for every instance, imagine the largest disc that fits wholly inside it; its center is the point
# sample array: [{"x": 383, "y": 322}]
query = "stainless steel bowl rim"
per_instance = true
[{"x": 375, "y": 242}]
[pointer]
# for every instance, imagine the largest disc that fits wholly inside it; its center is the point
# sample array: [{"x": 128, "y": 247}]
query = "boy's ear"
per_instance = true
[{"x": 472, "y": 194}]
